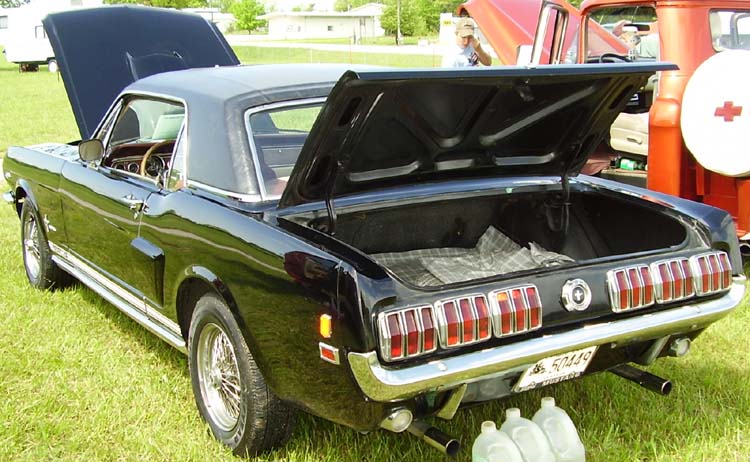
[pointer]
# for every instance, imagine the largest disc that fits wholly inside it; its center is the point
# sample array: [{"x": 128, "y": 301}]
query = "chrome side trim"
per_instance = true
[
  {"x": 232, "y": 195},
  {"x": 155, "y": 322},
  {"x": 383, "y": 384}
]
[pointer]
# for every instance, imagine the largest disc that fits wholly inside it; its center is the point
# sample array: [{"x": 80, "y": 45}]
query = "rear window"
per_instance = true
[{"x": 730, "y": 29}]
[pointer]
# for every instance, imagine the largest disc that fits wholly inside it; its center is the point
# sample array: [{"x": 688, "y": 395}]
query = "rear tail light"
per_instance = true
[
  {"x": 407, "y": 333},
  {"x": 516, "y": 310},
  {"x": 673, "y": 280},
  {"x": 463, "y": 320},
  {"x": 713, "y": 272},
  {"x": 630, "y": 288}
]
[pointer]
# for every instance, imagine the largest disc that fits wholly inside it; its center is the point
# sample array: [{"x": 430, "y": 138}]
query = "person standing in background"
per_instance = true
[{"x": 468, "y": 51}]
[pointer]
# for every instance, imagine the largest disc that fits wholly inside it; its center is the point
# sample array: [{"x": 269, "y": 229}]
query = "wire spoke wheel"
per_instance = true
[
  {"x": 219, "y": 376},
  {"x": 31, "y": 250}
]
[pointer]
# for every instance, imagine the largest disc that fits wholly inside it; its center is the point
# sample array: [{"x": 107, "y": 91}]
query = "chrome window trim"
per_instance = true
[
  {"x": 254, "y": 150},
  {"x": 385, "y": 384},
  {"x": 223, "y": 192}
]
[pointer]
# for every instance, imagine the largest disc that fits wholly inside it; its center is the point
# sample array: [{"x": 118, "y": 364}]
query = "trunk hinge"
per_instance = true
[
  {"x": 565, "y": 212},
  {"x": 330, "y": 207}
]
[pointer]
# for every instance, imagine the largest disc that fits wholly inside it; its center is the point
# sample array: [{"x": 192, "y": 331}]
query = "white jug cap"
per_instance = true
[
  {"x": 548, "y": 401},
  {"x": 513, "y": 412},
  {"x": 488, "y": 426}
]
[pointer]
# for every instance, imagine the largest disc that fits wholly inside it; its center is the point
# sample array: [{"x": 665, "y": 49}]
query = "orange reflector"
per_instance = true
[{"x": 325, "y": 326}]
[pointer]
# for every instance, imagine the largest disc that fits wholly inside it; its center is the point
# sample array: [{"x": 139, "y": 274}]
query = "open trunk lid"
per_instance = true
[
  {"x": 400, "y": 127},
  {"x": 100, "y": 51}
]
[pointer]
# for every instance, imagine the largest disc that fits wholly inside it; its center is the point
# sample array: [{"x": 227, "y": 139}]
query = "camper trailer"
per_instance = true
[{"x": 26, "y": 43}]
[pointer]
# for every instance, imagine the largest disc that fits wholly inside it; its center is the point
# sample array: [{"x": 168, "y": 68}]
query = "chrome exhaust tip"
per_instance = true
[
  {"x": 435, "y": 438},
  {"x": 645, "y": 379}
]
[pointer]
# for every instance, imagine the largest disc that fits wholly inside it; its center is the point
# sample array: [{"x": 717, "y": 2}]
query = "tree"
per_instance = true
[
  {"x": 410, "y": 22},
  {"x": 429, "y": 12},
  {"x": 247, "y": 12},
  {"x": 12, "y": 3}
]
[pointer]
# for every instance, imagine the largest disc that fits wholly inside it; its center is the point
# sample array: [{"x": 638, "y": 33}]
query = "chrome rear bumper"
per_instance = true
[{"x": 384, "y": 384}]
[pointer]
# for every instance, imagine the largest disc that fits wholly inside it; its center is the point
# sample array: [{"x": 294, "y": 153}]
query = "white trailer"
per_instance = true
[{"x": 26, "y": 42}]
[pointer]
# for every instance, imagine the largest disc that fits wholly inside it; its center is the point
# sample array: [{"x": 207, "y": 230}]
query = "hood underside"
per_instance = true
[
  {"x": 396, "y": 127},
  {"x": 100, "y": 51}
]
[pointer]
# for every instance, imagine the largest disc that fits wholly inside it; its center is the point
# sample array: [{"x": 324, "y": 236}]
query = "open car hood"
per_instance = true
[
  {"x": 102, "y": 50},
  {"x": 397, "y": 127}
]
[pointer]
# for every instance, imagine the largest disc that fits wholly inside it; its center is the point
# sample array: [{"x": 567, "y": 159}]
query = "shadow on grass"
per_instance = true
[{"x": 167, "y": 355}]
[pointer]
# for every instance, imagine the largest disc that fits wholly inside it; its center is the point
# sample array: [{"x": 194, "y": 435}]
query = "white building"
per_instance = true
[
  {"x": 4, "y": 12},
  {"x": 277, "y": 6},
  {"x": 356, "y": 23}
]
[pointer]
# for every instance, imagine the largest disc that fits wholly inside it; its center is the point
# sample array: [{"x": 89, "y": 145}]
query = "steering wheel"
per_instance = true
[
  {"x": 151, "y": 150},
  {"x": 613, "y": 57}
]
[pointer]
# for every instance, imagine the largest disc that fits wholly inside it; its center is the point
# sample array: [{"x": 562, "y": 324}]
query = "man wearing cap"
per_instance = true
[{"x": 468, "y": 51}]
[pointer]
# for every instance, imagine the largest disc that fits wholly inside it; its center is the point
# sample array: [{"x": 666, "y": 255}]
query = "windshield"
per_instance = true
[{"x": 624, "y": 31}]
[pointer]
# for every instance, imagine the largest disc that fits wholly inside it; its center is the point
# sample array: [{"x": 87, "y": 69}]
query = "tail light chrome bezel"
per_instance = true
[
  {"x": 625, "y": 276},
  {"x": 498, "y": 311},
  {"x": 719, "y": 276},
  {"x": 400, "y": 316},
  {"x": 441, "y": 312},
  {"x": 686, "y": 280}
]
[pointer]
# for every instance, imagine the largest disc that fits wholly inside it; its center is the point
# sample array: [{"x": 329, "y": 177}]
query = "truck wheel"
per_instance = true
[
  {"x": 52, "y": 65},
  {"x": 41, "y": 271},
  {"x": 230, "y": 392}
]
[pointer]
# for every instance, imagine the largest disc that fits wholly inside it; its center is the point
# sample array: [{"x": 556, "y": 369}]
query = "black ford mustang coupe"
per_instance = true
[{"x": 372, "y": 246}]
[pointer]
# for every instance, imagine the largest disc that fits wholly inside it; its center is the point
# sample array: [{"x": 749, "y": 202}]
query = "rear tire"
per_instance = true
[
  {"x": 42, "y": 272},
  {"x": 230, "y": 392}
]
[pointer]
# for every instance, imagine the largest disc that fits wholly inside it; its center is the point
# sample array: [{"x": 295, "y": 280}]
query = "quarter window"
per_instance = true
[{"x": 278, "y": 136}]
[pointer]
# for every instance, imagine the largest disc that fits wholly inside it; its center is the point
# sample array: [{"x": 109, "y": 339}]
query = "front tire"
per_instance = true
[
  {"x": 41, "y": 271},
  {"x": 52, "y": 65},
  {"x": 230, "y": 392}
]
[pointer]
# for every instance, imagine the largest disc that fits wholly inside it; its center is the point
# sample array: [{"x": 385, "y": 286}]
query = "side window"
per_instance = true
[
  {"x": 277, "y": 137},
  {"x": 143, "y": 136},
  {"x": 730, "y": 29}
]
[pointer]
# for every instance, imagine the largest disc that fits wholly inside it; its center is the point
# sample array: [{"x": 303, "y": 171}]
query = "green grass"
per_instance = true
[{"x": 80, "y": 381}]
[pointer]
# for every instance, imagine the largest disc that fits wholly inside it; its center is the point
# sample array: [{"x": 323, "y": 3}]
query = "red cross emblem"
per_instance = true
[{"x": 729, "y": 111}]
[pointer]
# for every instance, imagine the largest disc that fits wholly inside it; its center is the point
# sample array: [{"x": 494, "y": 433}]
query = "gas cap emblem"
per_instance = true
[{"x": 576, "y": 295}]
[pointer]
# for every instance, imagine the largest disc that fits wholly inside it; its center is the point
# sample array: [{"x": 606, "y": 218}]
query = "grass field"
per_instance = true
[{"x": 80, "y": 381}]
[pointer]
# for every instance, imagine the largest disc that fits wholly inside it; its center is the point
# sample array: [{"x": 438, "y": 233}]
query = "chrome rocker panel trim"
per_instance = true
[
  {"x": 381, "y": 384},
  {"x": 148, "y": 317}
]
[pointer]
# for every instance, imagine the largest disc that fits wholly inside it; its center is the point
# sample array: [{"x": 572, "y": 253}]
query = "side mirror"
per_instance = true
[{"x": 91, "y": 150}]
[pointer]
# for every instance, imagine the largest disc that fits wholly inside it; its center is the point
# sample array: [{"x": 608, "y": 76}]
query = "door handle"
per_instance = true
[{"x": 133, "y": 203}]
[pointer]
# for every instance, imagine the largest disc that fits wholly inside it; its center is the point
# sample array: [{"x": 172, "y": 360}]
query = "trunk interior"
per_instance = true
[{"x": 460, "y": 239}]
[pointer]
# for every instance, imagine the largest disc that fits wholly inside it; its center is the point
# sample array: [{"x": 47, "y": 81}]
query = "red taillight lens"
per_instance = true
[
  {"x": 483, "y": 314},
  {"x": 412, "y": 333},
  {"x": 395, "y": 336},
  {"x": 429, "y": 332},
  {"x": 713, "y": 272},
  {"x": 516, "y": 310},
  {"x": 535, "y": 307},
  {"x": 451, "y": 323},
  {"x": 469, "y": 320},
  {"x": 648, "y": 286}
]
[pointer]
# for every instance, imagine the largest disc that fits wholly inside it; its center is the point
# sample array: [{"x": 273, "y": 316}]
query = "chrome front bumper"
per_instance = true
[{"x": 384, "y": 384}]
